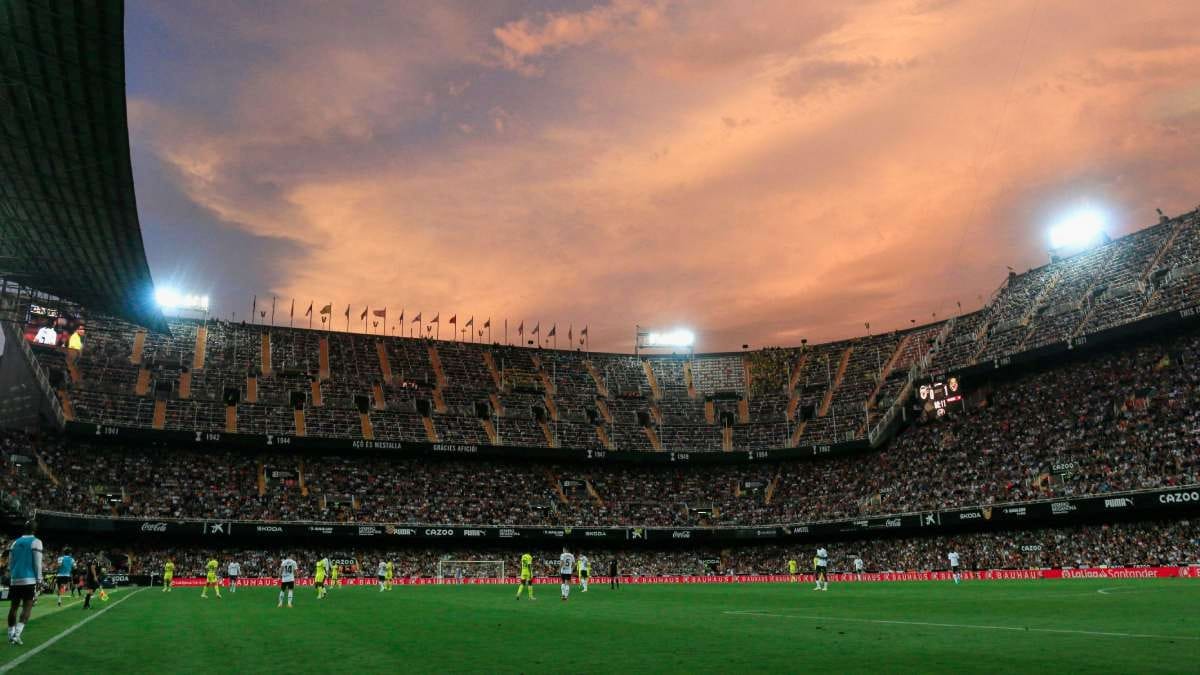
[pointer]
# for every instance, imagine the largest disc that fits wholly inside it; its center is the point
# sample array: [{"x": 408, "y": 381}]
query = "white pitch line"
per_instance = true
[
  {"x": 1068, "y": 631},
  {"x": 38, "y": 649},
  {"x": 1109, "y": 591}
]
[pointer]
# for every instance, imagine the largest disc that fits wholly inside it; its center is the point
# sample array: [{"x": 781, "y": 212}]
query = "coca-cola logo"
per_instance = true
[{"x": 154, "y": 527}]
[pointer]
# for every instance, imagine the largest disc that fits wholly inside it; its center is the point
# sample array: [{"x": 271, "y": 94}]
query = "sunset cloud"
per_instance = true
[{"x": 763, "y": 172}]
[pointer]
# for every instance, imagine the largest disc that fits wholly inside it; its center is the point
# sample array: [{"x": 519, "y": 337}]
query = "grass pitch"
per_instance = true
[{"x": 1134, "y": 626}]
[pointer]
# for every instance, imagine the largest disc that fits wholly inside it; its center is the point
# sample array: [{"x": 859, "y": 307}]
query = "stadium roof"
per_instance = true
[{"x": 68, "y": 217}]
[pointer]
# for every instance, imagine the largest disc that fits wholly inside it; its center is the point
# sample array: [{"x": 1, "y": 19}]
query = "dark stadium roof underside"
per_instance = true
[{"x": 68, "y": 217}]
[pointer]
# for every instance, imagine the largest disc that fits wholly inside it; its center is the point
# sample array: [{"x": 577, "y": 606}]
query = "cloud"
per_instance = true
[
  {"x": 817, "y": 76},
  {"x": 523, "y": 40},
  {"x": 763, "y": 172}
]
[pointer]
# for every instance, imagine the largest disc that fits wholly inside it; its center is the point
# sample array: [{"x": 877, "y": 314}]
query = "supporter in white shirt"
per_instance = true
[{"x": 46, "y": 336}]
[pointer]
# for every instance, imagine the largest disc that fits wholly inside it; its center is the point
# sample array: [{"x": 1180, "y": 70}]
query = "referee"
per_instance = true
[{"x": 614, "y": 582}]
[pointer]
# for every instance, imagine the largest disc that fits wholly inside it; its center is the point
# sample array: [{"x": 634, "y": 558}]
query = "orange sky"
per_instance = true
[{"x": 760, "y": 171}]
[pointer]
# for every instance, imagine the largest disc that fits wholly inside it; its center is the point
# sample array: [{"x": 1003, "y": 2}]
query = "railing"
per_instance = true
[{"x": 13, "y": 336}]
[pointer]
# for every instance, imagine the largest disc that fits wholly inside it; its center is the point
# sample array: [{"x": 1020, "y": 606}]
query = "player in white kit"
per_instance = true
[
  {"x": 822, "y": 570},
  {"x": 233, "y": 571},
  {"x": 952, "y": 556},
  {"x": 858, "y": 567},
  {"x": 566, "y": 568},
  {"x": 287, "y": 580},
  {"x": 381, "y": 575}
]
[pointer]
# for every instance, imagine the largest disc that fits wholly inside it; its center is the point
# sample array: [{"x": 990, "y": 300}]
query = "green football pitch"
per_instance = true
[{"x": 1134, "y": 626}]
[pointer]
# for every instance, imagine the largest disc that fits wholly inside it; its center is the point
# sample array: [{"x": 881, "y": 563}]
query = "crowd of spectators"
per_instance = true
[{"x": 1173, "y": 543}]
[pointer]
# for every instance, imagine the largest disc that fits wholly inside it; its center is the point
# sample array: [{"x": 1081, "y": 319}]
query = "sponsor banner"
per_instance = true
[
  {"x": 258, "y": 442},
  {"x": 1149, "y": 504},
  {"x": 869, "y": 524},
  {"x": 1192, "y": 572}
]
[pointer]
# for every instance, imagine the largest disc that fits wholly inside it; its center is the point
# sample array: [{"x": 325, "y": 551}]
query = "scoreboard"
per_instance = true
[{"x": 938, "y": 396}]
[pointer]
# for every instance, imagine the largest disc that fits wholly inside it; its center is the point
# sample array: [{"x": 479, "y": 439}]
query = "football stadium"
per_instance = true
[{"x": 322, "y": 484}]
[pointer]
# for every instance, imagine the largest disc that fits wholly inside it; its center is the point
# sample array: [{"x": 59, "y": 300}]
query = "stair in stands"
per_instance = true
[
  {"x": 688, "y": 380},
  {"x": 439, "y": 374},
  {"x": 798, "y": 369},
  {"x": 548, "y": 434},
  {"x": 323, "y": 359},
  {"x": 201, "y": 348},
  {"x": 430, "y": 432},
  {"x": 385, "y": 364},
  {"x": 185, "y": 384},
  {"x": 551, "y": 406},
  {"x": 727, "y": 439},
  {"x": 377, "y": 399},
  {"x": 315, "y": 387},
  {"x": 656, "y": 413},
  {"x": 300, "y": 479},
  {"x": 743, "y": 411},
  {"x": 653, "y": 437},
  {"x": 602, "y": 407},
  {"x": 710, "y": 411},
  {"x": 792, "y": 404},
  {"x": 797, "y": 433},
  {"x": 772, "y": 487},
  {"x": 490, "y": 429},
  {"x": 1179, "y": 227},
  {"x": 837, "y": 381},
  {"x": 600, "y": 387},
  {"x": 887, "y": 369},
  {"x": 142, "y": 386},
  {"x": 299, "y": 422},
  {"x": 547, "y": 383},
  {"x": 439, "y": 401},
  {"x": 262, "y": 480},
  {"x": 251, "y": 389},
  {"x": 497, "y": 404},
  {"x": 603, "y": 436},
  {"x": 231, "y": 419},
  {"x": 64, "y": 400},
  {"x": 368, "y": 431},
  {"x": 139, "y": 346},
  {"x": 264, "y": 350},
  {"x": 591, "y": 490},
  {"x": 490, "y": 362},
  {"x": 557, "y": 486},
  {"x": 43, "y": 467},
  {"x": 655, "y": 392},
  {"x": 160, "y": 414}
]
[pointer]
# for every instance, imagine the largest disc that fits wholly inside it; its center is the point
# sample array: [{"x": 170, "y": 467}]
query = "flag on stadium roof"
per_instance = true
[{"x": 327, "y": 309}]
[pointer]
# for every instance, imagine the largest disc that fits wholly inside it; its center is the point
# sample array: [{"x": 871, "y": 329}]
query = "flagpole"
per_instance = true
[{"x": 272, "y": 310}]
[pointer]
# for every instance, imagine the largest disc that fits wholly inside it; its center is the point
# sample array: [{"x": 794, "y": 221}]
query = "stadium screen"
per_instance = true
[{"x": 938, "y": 397}]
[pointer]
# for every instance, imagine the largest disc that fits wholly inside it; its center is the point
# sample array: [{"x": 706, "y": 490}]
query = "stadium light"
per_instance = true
[
  {"x": 680, "y": 337},
  {"x": 1078, "y": 230},
  {"x": 169, "y": 298}
]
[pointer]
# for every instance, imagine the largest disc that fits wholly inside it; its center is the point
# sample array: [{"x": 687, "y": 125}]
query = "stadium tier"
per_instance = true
[
  {"x": 1114, "y": 421},
  {"x": 224, "y": 378}
]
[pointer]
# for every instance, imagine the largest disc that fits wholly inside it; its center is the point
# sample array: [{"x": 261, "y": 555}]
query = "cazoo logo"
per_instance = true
[{"x": 1179, "y": 497}]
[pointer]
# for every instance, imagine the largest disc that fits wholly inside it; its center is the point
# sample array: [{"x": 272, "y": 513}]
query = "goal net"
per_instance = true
[{"x": 450, "y": 571}]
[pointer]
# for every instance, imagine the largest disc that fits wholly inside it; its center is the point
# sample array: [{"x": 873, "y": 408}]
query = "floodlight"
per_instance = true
[
  {"x": 680, "y": 337},
  {"x": 1079, "y": 230}
]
